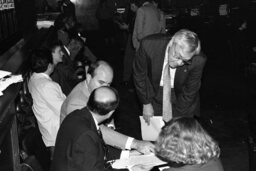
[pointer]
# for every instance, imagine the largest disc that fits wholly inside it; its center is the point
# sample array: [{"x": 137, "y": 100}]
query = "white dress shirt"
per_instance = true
[{"x": 47, "y": 100}]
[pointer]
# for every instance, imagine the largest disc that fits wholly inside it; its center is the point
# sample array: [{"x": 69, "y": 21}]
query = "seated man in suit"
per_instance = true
[
  {"x": 79, "y": 145},
  {"x": 169, "y": 63},
  {"x": 100, "y": 74}
]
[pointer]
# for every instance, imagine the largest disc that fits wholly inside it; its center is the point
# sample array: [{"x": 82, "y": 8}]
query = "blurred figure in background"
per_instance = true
[
  {"x": 129, "y": 50},
  {"x": 149, "y": 20},
  {"x": 105, "y": 14}
]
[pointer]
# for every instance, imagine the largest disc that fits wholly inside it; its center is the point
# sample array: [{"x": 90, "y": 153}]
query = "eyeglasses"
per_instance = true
[{"x": 177, "y": 57}]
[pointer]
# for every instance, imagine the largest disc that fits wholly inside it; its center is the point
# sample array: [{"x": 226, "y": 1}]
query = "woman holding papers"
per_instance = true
[{"x": 186, "y": 146}]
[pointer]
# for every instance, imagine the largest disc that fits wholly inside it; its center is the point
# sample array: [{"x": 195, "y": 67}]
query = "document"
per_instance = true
[
  {"x": 146, "y": 160},
  {"x": 151, "y": 132}
]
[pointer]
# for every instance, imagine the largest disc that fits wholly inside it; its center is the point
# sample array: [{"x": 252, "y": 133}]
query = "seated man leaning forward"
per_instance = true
[
  {"x": 100, "y": 74},
  {"x": 79, "y": 145}
]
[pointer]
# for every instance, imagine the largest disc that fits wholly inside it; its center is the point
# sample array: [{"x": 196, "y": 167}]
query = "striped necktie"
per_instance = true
[{"x": 167, "y": 105}]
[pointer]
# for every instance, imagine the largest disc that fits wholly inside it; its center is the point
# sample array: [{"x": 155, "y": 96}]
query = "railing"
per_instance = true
[{"x": 14, "y": 61}]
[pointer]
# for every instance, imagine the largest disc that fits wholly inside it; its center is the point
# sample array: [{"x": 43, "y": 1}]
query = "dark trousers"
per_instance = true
[{"x": 128, "y": 59}]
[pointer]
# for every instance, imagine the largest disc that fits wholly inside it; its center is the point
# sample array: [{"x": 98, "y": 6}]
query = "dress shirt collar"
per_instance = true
[
  {"x": 42, "y": 74},
  {"x": 96, "y": 122},
  {"x": 86, "y": 89},
  {"x": 68, "y": 52}
]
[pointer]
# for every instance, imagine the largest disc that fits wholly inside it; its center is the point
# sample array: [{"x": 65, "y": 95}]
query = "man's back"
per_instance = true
[
  {"x": 77, "y": 99},
  {"x": 78, "y": 145}
]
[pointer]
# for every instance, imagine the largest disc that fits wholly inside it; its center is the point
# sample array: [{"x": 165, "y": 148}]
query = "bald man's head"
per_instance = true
[
  {"x": 103, "y": 100},
  {"x": 99, "y": 74}
]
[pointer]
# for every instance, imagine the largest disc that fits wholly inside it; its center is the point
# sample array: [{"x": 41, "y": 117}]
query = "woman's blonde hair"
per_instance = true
[{"x": 184, "y": 141}]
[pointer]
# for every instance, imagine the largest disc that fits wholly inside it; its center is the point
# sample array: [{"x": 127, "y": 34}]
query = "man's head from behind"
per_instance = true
[
  {"x": 42, "y": 62},
  {"x": 99, "y": 74},
  {"x": 103, "y": 101},
  {"x": 182, "y": 47}
]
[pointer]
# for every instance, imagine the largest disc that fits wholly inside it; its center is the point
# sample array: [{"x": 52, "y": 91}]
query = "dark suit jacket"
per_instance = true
[
  {"x": 64, "y": 74},
  {"x": 78, "y": 145},
  {"x": 148, "y": 66}
]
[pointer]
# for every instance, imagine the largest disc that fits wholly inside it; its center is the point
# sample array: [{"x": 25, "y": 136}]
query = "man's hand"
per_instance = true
[
  {"x": 148, "y": 112},
  {"x": 144, "y": 147}
]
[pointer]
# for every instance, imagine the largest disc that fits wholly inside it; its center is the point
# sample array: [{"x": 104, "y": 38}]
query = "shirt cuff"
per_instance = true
[
  {"x": 125, "y": 154},
  {"x": 128, "y": 143}
]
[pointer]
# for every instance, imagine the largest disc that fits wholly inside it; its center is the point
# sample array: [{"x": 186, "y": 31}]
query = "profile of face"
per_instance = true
[
  {"x": 63, "y": 37},
  {"x": 57, "y": 55},
  {"x": 133, "y": 7},
  {"x": 103, "y": 77},
  {"x": 70, "y": 23},
  {"x": 178, "y": 56}
]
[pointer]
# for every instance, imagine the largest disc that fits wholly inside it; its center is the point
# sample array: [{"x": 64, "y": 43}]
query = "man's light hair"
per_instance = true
[{"x": 186, "y": 41}]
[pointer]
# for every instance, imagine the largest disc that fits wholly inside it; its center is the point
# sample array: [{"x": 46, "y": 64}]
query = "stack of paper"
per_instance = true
[{"x": 146, "y": 160}]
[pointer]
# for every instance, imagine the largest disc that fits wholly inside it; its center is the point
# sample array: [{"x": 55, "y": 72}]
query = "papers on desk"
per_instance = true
[
  {"x": 7, "y": 79},
  {"x": 146, "y": 160},
  {"x": 4, "y": 73},
  {"x": 151, "y": 132}
]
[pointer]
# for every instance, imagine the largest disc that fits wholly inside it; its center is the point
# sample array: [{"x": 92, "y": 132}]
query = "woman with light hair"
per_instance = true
[{"x": 186, "y": 146}]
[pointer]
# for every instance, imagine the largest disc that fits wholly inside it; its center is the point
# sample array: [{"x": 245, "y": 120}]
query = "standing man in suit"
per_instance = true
[
  {"x": 149, "y": 20},
  {"x": 79, "y": 145},
  {"x": 183, "y": 53}
]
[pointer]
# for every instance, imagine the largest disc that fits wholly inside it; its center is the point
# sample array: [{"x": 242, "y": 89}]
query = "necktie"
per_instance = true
[{"x": 167, "y": 105}]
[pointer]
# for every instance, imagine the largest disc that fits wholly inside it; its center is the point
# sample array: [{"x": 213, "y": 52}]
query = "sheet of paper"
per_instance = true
[
  {"x": 151, "y": 132},
  {"x": 147, "y": 160},
  {"x": 4, "y": 73}
]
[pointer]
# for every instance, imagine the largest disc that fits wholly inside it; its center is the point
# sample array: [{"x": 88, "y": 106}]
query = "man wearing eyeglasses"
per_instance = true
[{"x": 182, "y": 55}]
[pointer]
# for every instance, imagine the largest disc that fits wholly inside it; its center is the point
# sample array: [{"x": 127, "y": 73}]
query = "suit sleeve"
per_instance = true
[
  {"x": 139, "y": 20},
  {"x": 138, "y": 28},
  {"x": 86, "y": 155},
  {"x": 191, "y": 88},
  {"x": 142, "y": 83}
]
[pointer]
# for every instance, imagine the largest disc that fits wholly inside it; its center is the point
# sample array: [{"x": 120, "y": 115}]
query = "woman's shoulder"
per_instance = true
[{"x": 212, "y": 165}]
